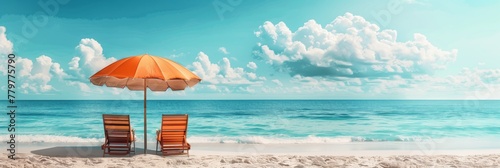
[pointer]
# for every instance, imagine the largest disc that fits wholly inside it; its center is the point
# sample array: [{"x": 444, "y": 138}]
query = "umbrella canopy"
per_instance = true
[{"x": 145, "y": 71}]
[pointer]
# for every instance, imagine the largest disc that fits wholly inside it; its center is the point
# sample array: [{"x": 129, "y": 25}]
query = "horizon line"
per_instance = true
[{"x": 265, "y": 99}]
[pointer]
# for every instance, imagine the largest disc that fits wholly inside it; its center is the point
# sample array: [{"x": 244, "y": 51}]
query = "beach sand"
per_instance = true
[{"x": 256, "y": 155}]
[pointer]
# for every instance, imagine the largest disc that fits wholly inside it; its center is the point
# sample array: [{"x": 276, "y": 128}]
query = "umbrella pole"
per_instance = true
[{"x": 145, "y": 124}]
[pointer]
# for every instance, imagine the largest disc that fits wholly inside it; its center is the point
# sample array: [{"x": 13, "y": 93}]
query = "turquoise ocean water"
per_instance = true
[{"x": 264, "y": 121}]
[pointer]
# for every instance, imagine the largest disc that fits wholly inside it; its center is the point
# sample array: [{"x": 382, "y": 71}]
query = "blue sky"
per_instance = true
[{"x": 242, "y": 49}]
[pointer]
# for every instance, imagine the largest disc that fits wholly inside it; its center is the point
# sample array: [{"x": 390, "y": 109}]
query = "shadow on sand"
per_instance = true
[{"x": 83, "y": 152}]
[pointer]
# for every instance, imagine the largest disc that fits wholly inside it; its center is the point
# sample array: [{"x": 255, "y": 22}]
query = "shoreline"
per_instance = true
[
  {"x": 255, "y": 155},
  {"x": 316, "y": 149}
]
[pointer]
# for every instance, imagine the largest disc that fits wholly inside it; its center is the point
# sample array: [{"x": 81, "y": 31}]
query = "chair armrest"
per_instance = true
[
  {"x": 158, "y": 132},
  {"x": 185, "y": 140},
  {"x": 132, "y": 132}
]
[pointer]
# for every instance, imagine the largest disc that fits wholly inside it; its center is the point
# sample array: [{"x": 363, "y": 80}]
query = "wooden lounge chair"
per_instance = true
[
  {"x": 172, "y": 135},
  {"x": 119, "y": 137}
]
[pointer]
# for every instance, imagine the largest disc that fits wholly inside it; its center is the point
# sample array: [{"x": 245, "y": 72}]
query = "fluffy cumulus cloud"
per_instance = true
[
  {"x": 91, "y": 60},
  {"x": 5, "y": 45},
  {"x": 92, "y": 55},
  {"x": 252, "y": 65},
  {"x": 35, "y": 76},
  {"x": 223, "y": 74},
  {"x": 349, "y": 47},
  {"x": 5, "y": 49}
]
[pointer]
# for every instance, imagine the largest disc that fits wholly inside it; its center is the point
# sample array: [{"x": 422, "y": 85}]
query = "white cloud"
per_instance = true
[
  {"x": 205, "y": 69},
  {"x": 56, "y": 68},
  {"x": 176, "y": 55},
  {"x": 35, "y": 77},
  {"x": 5, "y": 49},
  {"x": 349, "y": 46},
  {"x": 223, "y": 50},
  {"x": 469, "y": 83},
  {"x": 223, "y": 73},
  {"x": 347, "y": 55},
  {"x": 271, "y": 57},
  {"x": 213, "y": 87},
  {"x": 387, "y": 84},
  {"x": 476, "y": 79},
  {"x": 252, "y": 65},
  {"x": 247, "y": 89},
  {"x": 312, "y": 87},
  {"x": 82, "y": 86},
  {"x": 311, "y": 84},
  {"x": 91, "y": 59},
  {"x": 25, "y": 66},
  {"x": 32, "y": 77},
  {"x": 5, "y": 45},
  {"x": 252, "y": 75},
  {"x": 277, "y": 82},
  {"x": 74, "y": 63},
  {"x": 228, "y": 71}
]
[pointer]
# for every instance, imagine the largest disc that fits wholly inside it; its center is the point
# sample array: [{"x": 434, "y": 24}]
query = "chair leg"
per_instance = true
[
  {"x": 134, "y": 147},
  {"x": 156, "y": 151}
]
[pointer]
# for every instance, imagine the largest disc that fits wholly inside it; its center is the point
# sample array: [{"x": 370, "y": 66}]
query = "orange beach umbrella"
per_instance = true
[{"x": 139, "y": 72}]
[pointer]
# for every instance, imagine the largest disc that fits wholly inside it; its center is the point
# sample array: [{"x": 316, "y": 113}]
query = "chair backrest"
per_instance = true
[
  {"x": 174, "y": 124},
  {"x": 116, "y": 125}
]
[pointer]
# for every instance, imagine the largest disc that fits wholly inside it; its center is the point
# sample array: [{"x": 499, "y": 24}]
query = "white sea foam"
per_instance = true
[
  {"x": 269, "y": 140},
  {"x": 247, "y": 139},
  {"x": 191, "y": 139},
  {"x": 50, "y": 139}
]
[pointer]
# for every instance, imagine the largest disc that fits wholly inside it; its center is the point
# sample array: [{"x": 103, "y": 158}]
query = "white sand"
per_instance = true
[
  {"x": 252, "y": 155},
  {"x": 33, "y": 160}
]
